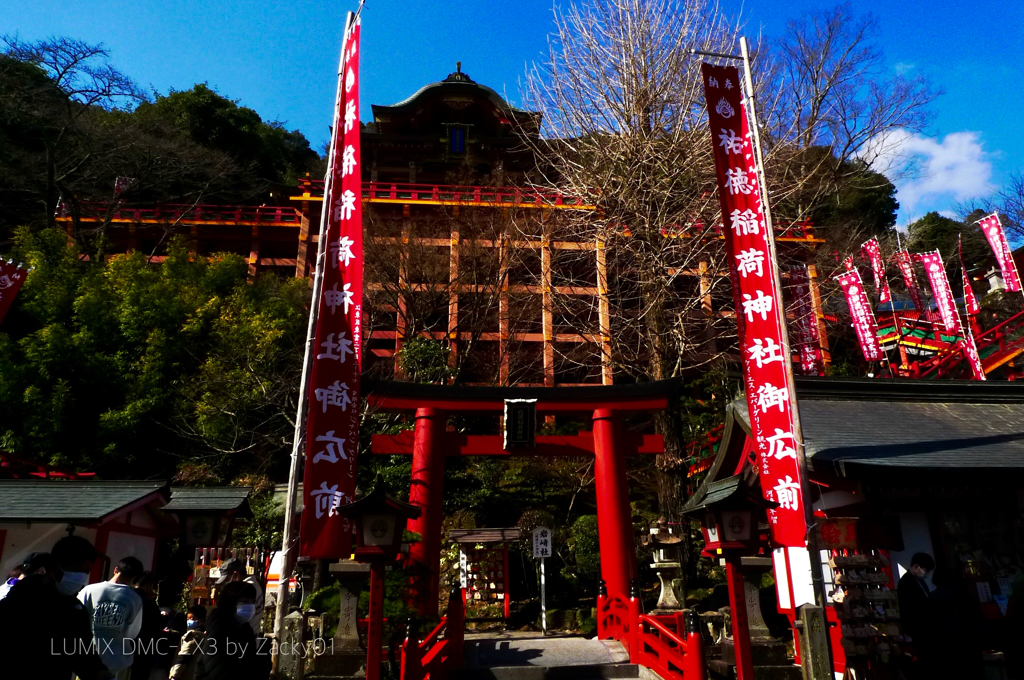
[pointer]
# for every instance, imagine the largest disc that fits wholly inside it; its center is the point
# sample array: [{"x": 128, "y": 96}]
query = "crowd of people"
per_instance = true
[{"x": 56, "y": 625}]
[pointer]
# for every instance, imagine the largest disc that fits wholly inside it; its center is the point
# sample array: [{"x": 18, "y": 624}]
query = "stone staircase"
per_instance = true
[{"x": 532, "y": 657}]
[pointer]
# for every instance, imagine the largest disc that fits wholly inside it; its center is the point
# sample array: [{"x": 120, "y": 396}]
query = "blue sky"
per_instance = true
[{"x": 279, "y": 58}]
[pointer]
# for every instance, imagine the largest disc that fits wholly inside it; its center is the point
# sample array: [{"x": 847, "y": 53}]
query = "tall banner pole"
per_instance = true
[
  {"x": 290, "y": 538},
  {"x": 761, "y": 325},
  {"x": 817, "y": 575}
]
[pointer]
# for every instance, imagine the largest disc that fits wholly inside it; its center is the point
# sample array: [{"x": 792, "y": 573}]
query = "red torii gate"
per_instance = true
[{"x": 429, "y": 443}]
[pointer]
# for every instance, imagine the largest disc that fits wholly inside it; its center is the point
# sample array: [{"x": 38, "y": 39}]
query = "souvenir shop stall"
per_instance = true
[{"x": 898, "y": 468}]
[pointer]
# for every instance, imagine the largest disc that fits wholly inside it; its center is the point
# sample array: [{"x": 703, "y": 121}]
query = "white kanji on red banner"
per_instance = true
[
  {"x": 759, "y": 311},
  {"x": 332, "y": 425},
  {"x": 993, "y": 230},
  {"x": 862, "y": 315}
]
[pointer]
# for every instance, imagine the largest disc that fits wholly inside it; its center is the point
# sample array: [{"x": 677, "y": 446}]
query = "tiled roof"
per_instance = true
[
  {"x": 40, "y": 500},
  {"x": 909, "y": 424},
  {"x": 200, "y": 498},
  {"x": 913, "y": 434}
]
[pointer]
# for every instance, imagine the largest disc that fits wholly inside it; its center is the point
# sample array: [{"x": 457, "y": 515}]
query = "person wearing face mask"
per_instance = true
[
  {"x": 230, "y": 649},
  {"x": 76, "y": 556},
  {"x": 232, "y": 571},
  {"x": 185, "y": 662},
  {"x": 46, "y": 635}
]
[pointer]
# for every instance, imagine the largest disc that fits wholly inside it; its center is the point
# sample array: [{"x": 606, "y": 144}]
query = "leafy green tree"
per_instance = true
[
  {"x": 937, "y": 232},
  {"x": 132, "y": 369},
  {"x": 267, "y": 151}
]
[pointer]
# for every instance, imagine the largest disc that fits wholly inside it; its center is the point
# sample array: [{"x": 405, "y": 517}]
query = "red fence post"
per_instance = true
[
  {"x": 455, "y": 630},
  {"x": 602, "y": 597},
  {"x": 633, "y": 640},
  {"x": 695, "y": 657},
  {"x": 412, "y": 665}
]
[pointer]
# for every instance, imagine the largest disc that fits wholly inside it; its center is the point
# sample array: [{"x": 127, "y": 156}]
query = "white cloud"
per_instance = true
[{"x": 929, "y": 171}]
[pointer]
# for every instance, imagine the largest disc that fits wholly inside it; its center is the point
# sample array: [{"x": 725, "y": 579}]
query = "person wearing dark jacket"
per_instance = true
[
  {"x": 229, "y": 650},
  {"x": 46, "y": 635},
  {"x": 149, "y": 652},
  {"x": 958, "y": 623},
  {"x": 916, "y": 612}
]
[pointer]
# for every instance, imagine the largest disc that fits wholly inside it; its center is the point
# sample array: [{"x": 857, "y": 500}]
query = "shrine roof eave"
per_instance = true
[{"x": 401, "y": 397}]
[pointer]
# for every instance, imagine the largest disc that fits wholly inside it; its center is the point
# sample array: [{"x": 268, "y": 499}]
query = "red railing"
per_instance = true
[
  {"x": 947, "y": 361},
  {"x": 440, "y": 653},
  {"x": 440, "y": 193},
  {"x": 671, "y": 646},
  {"x": 171, "y": 213},
  {"x": 408, "y": 192}
]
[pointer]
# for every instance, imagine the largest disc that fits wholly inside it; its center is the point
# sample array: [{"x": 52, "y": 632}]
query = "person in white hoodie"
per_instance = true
[{"x": 116, "y": 613}]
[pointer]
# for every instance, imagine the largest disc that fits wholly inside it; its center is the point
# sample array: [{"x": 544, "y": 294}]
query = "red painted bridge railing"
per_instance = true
[
  {"x": 440, "y": 652},
  {"x": 671, "y": 646},
  {"x": 168, "y": 213}
]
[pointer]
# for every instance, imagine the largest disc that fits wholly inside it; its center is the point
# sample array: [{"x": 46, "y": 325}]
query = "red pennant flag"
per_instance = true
[
  {"x": 873, "y": 254},
  {"x": 906, "y": 266},
  {"x": 970, "y": 301},
  {"x": 332, "y": 425},
  {"x": 993, "y": 230},
  {"x": 941, "y": 291},
  {"x": 863, "y": 317},
  {"x": 946, "y": 305},
  {"x": 759, "y": 311},
  {"x": 11, "y": 278},
  {"x": 848, "y": 263}
]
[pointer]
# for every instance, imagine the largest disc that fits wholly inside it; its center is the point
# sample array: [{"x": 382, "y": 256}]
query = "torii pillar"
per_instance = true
[
  {"x": 614, "y": 516},
  {"x": 426, "y": 492}
]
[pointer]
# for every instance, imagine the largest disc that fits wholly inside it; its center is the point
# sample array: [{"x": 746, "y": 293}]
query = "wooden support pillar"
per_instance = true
[
  {"x": 707, "y": 307},
  {"x": 254, "y": 252},
  {"x": 453, "y": 300},
  {"x": 426, "y": 493},
  {"x": 738, "y": 612},
  {"x": 604, "y": 314},
  {"x": 547, "y": 318},
  {"x": 819, "y": 315},
  {"x": 401, "y": 306},
  {"x": 504, "y": 335},
  {"x": 302, "y": 254},
  {"x": 614, "y": 518},
  {"x": 705, "y": 288}
]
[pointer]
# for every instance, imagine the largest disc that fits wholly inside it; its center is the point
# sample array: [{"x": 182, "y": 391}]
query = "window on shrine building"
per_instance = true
[{"x": 456, "y": 140}]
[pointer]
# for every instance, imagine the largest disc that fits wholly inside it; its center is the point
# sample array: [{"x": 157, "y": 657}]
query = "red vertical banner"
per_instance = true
[
  {"x": 906, "y": 266},
  {"x": 759, "y": 310},
  {"x": 860, "y": 312},
  {"x": 332, "y": 424},
  {"x": 970, "y": 300},
  {"x": 993, "y": 230},
  {"x": 947, "y": 310},
  {"x": 11, "y": 278},
  {"x": 873, "y": 254},
  {"x": 936, "y": 272},
  {"x": 808, "y": 340}
]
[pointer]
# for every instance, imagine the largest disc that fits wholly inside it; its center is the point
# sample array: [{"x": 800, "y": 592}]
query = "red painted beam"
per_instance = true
[
  {"x": 400, "y": 403},
  {"x": 491, "y": 445}
]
